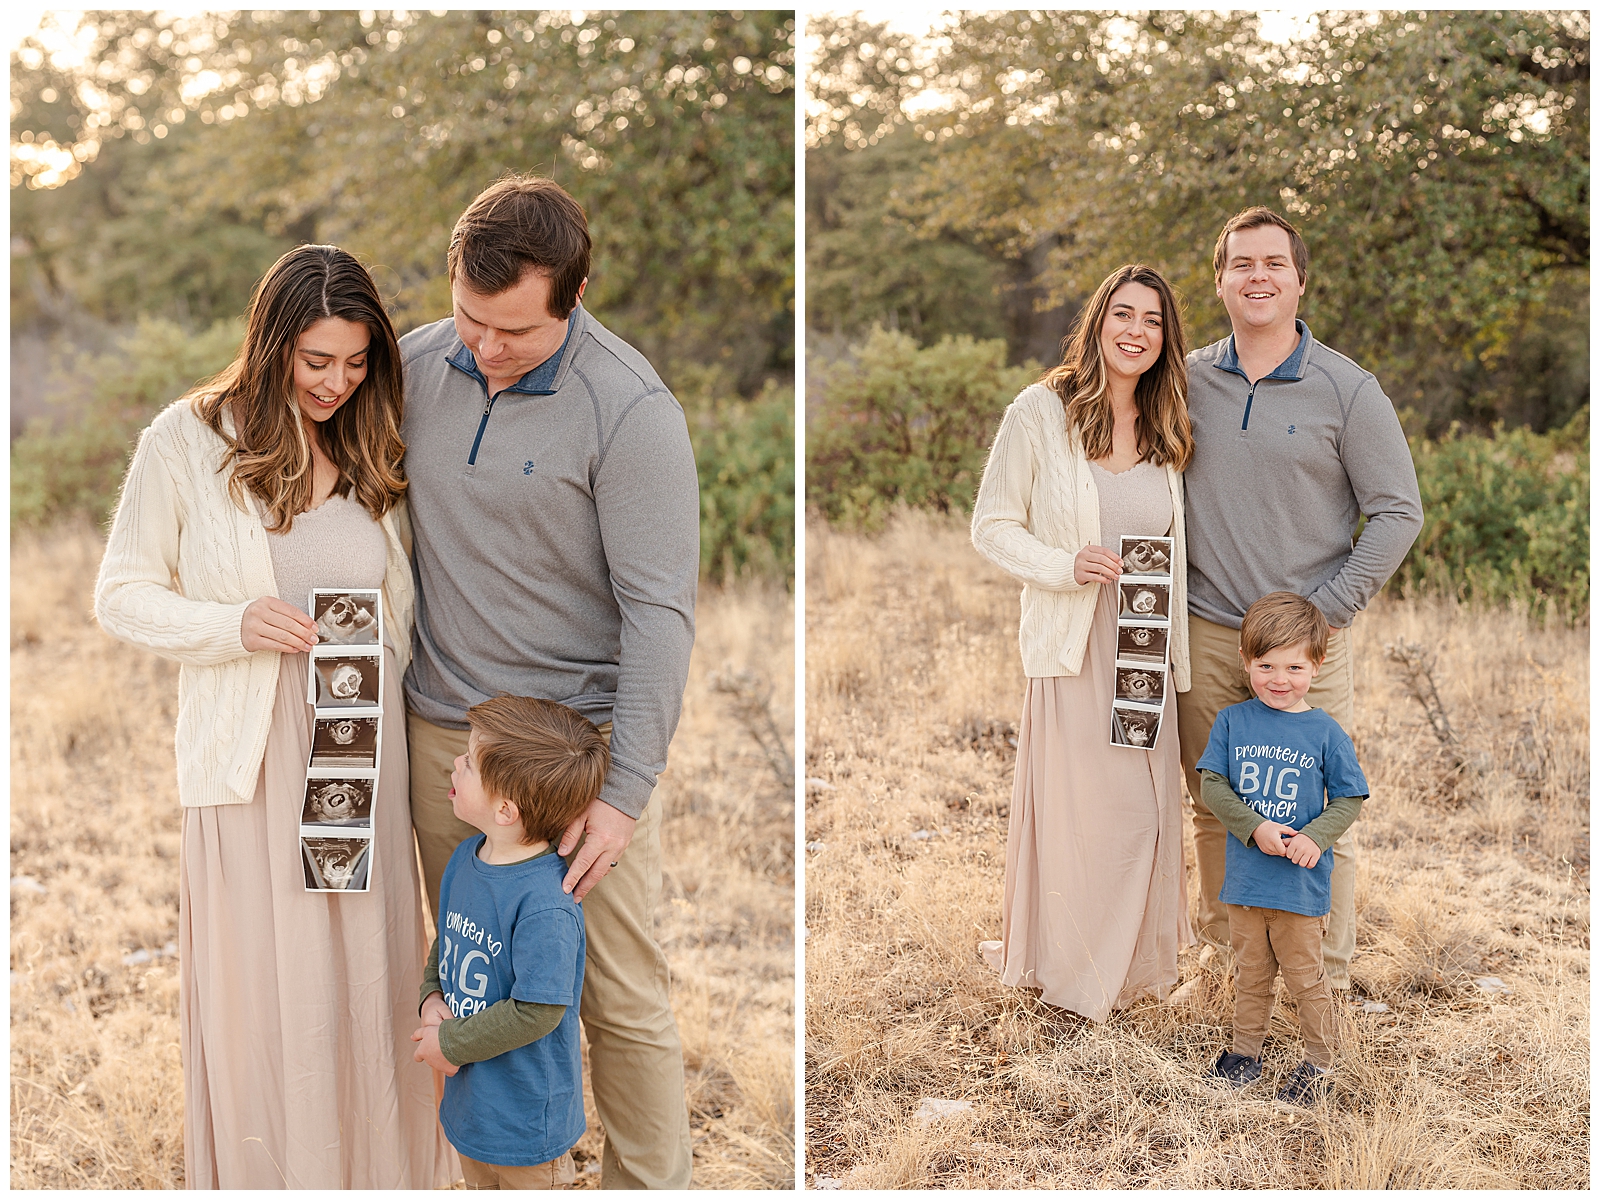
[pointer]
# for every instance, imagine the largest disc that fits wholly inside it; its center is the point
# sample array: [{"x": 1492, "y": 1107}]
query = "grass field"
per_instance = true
[
  {"x": 1475, "y": 864},
  {"x": 96, "y": 1091}
]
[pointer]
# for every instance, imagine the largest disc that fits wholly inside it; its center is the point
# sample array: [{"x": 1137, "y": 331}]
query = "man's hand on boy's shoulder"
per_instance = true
[
  {"x": 428, "y": 1050},
  {"x": 606, "y": 832}
]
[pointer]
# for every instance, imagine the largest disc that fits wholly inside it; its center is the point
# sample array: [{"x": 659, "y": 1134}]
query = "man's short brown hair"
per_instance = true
[
  {"x": 1252, "y": 218},
  {"x": 543, "y": 757},
  {"x": 1283, "y": 619},
  {"x": 522, "y": 223}
]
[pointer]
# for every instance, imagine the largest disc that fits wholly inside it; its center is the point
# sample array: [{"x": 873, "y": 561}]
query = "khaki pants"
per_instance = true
[
  {"x": 1219, "y": 679},
  {"x": 635, "y": 1058},
  {"x": 546, "y": 1177},
  {"x": 1266, "y": 940}
]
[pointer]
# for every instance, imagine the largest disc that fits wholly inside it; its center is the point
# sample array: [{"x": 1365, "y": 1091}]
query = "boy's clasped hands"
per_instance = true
[
  {"x": 434, "y": 1013},
  {"x": 1273, "y": 838}
]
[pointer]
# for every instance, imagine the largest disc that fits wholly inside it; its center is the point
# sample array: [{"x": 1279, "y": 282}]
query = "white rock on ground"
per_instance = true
[
  {"x": 826, "y": 1183},
  {"x": 1184, "y": 994},
  {"x": 1494, "y": 985},
  {"x": 932, "y": 1109}
]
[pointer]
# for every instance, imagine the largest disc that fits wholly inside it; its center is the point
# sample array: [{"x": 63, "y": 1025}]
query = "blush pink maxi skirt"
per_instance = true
[
  {"x": 296, "y": 1007},
  {"x": 1095, "y": 908}
]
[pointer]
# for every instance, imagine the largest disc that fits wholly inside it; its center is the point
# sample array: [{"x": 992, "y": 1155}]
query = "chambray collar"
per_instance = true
[
  {"x": 1290, "y": 368},
  {"x": 541, "y": 381}
]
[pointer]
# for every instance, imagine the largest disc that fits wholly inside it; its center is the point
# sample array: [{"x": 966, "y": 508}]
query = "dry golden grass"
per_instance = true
[
  {"x": 96, "y": 1089},
  {"x": 913, "y": 683}
]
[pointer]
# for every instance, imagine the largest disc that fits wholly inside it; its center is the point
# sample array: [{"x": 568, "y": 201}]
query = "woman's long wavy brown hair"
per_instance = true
[
  {"x": 269, "y": 451},
  {"x": 1162, "y": 393}
]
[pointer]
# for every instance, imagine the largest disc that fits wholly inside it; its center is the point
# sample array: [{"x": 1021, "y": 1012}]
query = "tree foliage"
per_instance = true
[
  {"x": 1437, "y": 164},
  {"x": 899, "y": 425},
  {"x": 1506, "y": 517},
  {"x": 745, "y": 456},
  {"x": 207, "y": 144}
]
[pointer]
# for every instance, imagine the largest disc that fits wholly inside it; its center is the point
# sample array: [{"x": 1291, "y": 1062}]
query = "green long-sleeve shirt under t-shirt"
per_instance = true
[
  {"x": 507, "y": 1025},
  {"x": 1242, "y": 821}
]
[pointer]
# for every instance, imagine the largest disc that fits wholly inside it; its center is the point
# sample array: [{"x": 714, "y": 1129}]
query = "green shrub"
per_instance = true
[
  {"x": 76, "y": 470},
  {"x": 899, "y": 425},
  {"x": 1506, "y": 517},
  {"x": 744, "y": 450}
]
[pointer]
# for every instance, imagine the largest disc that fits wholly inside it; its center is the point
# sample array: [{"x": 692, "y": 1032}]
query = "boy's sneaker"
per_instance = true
[
  {"x": 1238, "y": 1069},
  {"x": 1306, "y": 1085}
]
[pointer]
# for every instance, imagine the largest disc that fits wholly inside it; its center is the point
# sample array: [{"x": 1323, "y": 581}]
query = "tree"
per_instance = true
[
  {"x": 674, "y": 129},
  {"x": 1437, "y": 164}
]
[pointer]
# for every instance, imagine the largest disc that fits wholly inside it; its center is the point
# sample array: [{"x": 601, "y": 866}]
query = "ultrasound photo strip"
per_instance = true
[
  {"x": 338, "y": 802},
  {"x": 347, "y": 618},
  {"x": 341, "y": 743},
  {"x": 1142, "y": 641},
  {"x": 336, "y": 863},
  {"x": 1143, "y": 684},
  {"x": 346, "y": 673},
  {"x": 1133, "y": 726},
  {"x": 1145, "y": 557},
  {"x": 1144, "y": 600},
  {"x": 344, "y": 686}
]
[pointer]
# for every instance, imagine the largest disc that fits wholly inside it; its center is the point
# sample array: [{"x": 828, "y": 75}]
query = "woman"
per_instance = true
[
  {"x": 280, "y": 475},
  {"x": 1095, "y": 910}
]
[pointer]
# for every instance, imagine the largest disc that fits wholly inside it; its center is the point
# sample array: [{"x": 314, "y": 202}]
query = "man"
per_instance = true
[
  {"x": 1293, "y": 444},
  {"x": 556, "y": 514}
]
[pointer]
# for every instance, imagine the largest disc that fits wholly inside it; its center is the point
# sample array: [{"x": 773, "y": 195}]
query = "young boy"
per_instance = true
[
  {"x": 1265, "y": 772},
  {"x": 500, "y": 991}
]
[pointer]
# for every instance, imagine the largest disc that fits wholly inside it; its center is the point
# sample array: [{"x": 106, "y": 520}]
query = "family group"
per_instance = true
[
  {"x": 1256, "y": 456},
  {"x": 516, "y": 484}
]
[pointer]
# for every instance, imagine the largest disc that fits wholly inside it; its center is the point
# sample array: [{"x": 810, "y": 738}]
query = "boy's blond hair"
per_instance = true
[
  {"x": 543, "y": 757},
  {"x": 1283, "y": 619}
]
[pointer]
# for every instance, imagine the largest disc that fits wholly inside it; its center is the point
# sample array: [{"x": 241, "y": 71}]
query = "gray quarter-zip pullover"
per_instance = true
[
  {"x": 557, "y": 541},
  {"x": 1282, "y": 471}
]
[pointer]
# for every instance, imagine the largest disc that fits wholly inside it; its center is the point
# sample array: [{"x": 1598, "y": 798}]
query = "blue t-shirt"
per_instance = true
[
  {"x": 1285, "y": 766},
  {"x": 511, "y": 932}
]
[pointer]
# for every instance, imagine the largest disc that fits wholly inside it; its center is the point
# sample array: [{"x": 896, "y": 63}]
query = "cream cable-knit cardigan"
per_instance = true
[
  {"x": 1036, "y": 508},
  {"x": 182, "y": 563}
]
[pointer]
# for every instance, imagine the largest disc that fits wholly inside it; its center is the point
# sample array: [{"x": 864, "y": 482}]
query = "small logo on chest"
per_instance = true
[
  {"x": 1291, "y": 429},
  {"x": 527, "y": 467}
]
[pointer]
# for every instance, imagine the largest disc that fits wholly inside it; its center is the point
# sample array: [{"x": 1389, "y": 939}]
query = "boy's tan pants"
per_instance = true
[
  {"x": 635, "y": 1058},
  {"x": 1265, "y": 941},
  {"x": 546, "y": 1177},
  {"x": 1219, "y": 679}
]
